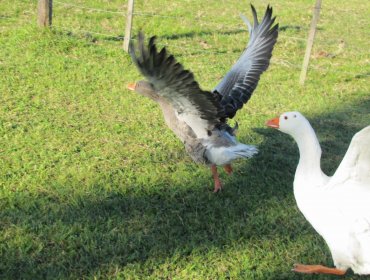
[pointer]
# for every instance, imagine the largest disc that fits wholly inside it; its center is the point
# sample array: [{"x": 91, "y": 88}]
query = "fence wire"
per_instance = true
[
  {"x": 193, "y": 50},
  {"x": 88, "y": 8}
]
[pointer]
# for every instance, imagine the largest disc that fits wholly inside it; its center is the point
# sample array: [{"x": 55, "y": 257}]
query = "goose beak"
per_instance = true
[
  {"x": 274, "y": 123},
  {"x": 131, "y": 86}
]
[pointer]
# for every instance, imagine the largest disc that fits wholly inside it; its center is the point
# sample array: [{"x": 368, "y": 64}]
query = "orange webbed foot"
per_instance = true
[{"x": 309, "y": 269}]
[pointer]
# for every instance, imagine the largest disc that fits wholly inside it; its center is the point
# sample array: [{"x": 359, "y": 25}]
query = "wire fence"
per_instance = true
[
  {"x": 88, "y": 8},
  {"x": 335, "y": 45}
]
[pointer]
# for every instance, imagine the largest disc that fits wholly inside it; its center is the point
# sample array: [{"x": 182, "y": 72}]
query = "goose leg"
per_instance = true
[
  {"x": 317, "y": 269},
  {"x": 218, "y": 184},
  {"x": 228, "y": 169}
]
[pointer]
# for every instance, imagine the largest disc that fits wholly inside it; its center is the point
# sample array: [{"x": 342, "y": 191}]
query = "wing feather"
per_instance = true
[
  {"x": 355, "y": 165},
  {"x": 239, "y": 83},
  {"x": 201, "y": 110}
]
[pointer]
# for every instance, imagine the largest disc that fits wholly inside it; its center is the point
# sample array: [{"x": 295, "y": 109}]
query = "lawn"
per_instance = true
[{"x": 94, "y": 186}]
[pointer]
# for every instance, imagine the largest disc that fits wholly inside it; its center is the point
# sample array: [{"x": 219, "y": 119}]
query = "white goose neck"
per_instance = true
[{"x": 310, "y": 153}]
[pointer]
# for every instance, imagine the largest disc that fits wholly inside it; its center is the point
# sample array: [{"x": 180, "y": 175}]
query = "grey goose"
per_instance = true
[{"x": 199, "y": 117}]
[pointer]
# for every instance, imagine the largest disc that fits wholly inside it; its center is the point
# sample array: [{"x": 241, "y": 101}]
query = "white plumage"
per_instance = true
[
  {"x": 338, "y": 207},
  {"x": 225, "y": 155}
]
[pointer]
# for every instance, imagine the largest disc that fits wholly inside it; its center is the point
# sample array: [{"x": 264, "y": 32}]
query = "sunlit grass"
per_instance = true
[{"x": 92, "y": 182}]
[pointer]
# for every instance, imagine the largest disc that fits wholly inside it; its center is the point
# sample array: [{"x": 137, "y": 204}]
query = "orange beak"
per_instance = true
[
  {"x": 131, "y": 86},
  {"x": 274, "y": 123}
]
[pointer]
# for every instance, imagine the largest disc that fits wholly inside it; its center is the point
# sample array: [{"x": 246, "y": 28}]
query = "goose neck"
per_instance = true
[{"x": 310, "y": 153}]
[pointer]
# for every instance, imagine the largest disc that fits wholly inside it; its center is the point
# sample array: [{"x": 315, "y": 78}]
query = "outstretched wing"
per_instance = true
[
  {"x": 355, "y": 165},
  {"x": 239, "y": 83},
  {"x": 199, "y": 109},
  {"x": 351, "y": 188}
]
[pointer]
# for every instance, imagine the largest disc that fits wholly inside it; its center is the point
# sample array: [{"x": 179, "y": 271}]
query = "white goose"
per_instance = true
[{"x": 338, "y": 207}]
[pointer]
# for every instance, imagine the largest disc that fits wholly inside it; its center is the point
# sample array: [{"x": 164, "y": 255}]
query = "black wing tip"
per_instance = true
[
  {"x": 266, "y": 18},
  {"x": 154, "y": 63},
  {"x": 275, "y": 29},
  {"x": 255, "y": 18},
  {"x": 141, "y": 39},
  {"x": 131, "y": 48},
  {"x": 268, "y": 15},
  {"x": 268, "y": 11},
  {"x": 142, "y": 48},
  {"x": 152, "y": 40},
  {"x": 140, "y": 36}
]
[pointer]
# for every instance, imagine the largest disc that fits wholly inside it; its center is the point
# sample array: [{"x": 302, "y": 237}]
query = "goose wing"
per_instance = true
[
  {"x": 355, "y": 165},
  {"x": 350, "y": 188},
  {"x": 239, "y": 83},
  {"x": 199, "y": 109}
]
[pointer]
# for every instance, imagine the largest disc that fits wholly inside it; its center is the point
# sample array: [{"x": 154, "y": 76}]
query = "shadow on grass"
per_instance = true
[
  {"x": 288, "y": 27},
  {"x": 97, "y": 233},
  {"x": 187, "y": 35},
  {"x": 95, "y": 37},
  {"x": 364, "y": 75},
  {"x": 202, "y": 33}
]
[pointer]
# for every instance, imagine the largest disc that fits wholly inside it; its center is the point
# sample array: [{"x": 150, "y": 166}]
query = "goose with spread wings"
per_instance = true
[
  {"x": 199, "y": 117},
  {"x": 338, "y": 207}
]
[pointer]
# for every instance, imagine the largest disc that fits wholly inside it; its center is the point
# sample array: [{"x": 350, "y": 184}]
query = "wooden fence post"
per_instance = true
[
  {"x": 130, "y": 11},
  {"x": 311, "y": 37},
  {"x": 45, "y": 12}
]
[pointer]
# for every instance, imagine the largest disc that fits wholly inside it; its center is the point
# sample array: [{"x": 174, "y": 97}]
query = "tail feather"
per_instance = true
[
  {"x": 244, "y": 151},
  {"x": 225, "y": 155}
]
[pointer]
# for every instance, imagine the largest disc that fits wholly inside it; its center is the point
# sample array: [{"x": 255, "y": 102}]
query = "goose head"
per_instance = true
[
  {"x": 292, "y": 123},
  {"x": 144, "y": 88},
  {"x": 297, "y": 126}
]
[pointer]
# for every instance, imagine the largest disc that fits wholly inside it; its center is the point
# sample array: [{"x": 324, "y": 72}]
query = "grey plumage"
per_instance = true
[
  {"x": 198, "y": 117},
  {"x": 173, "y": 83},
  {"x": 179, "y": 88},
  {"x": 239, "y": 83},
  {"x": 193, "y": 145}
]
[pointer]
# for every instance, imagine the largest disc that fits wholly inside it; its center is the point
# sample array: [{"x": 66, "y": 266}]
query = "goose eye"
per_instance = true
[
  {"x": 295, "y": 116},
  {"x": 286, "y": 117}
]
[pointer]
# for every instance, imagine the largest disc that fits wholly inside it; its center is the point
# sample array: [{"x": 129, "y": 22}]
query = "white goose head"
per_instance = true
[
  {"x": 296, "y": 125},
  {"x": 292, "y": 123}
]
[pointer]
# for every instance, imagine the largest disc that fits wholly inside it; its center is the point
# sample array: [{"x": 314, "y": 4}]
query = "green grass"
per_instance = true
[{"x": 93, "y": 184}]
